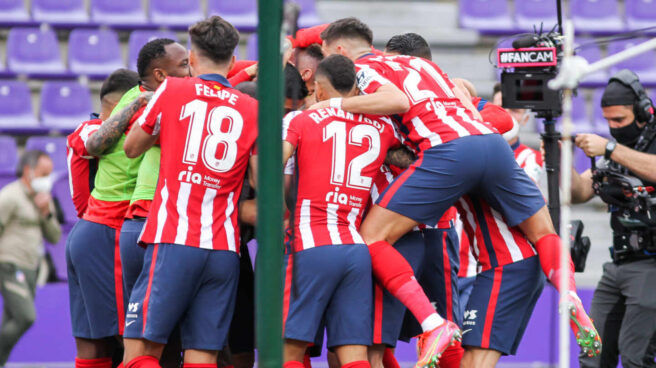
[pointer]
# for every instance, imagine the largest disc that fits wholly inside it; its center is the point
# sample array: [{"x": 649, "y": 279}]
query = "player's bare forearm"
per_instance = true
[
  {"x": 400, "y": 157},
  {"x": 641, "y": 163},
  {"x": 138, "y": 141},
  {"x": 111, "y": 130},
  {"x": 581, "y": 189},
  {"x": 385, "y": 101}
]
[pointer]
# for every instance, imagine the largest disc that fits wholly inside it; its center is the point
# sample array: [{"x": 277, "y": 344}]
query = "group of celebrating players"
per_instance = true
[{"x": 382, "y": 151}]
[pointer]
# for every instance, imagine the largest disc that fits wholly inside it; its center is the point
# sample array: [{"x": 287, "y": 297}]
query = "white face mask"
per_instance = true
[{"x": 42, "y": 184}]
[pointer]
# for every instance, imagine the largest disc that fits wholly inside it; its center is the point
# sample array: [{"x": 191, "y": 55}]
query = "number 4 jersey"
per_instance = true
[
  {"x": 207, "y": 132},
  {"x": 337, "y": 156}
]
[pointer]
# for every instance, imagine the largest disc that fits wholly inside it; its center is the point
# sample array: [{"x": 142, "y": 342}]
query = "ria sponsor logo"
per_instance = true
[
  {"x": 336, "y": 197},
  {"x": 189, "y": 176}
]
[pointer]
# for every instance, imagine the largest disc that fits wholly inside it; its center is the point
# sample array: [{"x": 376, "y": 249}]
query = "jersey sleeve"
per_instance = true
[
  {"x": 78, "y": 139},
  {"x": 290, "y": 128},
  {"x": 368, "y": 79},
  {"x": 152, "y": 114}
]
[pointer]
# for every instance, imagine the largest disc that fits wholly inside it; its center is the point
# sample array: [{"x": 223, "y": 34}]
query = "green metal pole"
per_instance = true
[{"x": 268, "y": 268}]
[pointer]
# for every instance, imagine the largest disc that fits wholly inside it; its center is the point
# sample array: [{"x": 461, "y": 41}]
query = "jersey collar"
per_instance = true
[
  {"x": 366, "y": 55},
  {"x": 94, "y": 115},
  {"x": 218, "y": 78},
  {"x": 515, "y": 145}
]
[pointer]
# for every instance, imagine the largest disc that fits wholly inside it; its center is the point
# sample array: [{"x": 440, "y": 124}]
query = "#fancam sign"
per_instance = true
[{"x": 531, "y": 57}]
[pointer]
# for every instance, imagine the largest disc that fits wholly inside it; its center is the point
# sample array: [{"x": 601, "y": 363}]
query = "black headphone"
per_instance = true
[{"x": 643, "y": 107}]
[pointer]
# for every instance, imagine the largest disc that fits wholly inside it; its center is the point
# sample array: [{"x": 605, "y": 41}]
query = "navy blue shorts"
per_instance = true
[
  {"x": 191, "y": 286},
  {"x": 132, "y": 255},
  {"x": 465, "y": 286},
  {"x": 439, "y": 279},
  {"x": 331, "y": 284},
  {"x": 500, "y": 305},
  {"x": 389, "y": 311},
  {"x": 482, "y": 164},
  {"x": 95, "y": 283}
]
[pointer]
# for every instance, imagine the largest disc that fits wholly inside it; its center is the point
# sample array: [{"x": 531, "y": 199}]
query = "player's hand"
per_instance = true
[
  {"x": 591, "y": 144},
  {"x": 320, "y": 105},
  {"x": 251, "y": 70},
  {"x": 42, "y": 201}
]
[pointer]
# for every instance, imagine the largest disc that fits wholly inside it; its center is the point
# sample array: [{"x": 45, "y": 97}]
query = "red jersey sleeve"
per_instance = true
[
  {"x": 150, "y": 118},
  {"x": 499, "y": 118},
  {"x": 307, "y": 36},
  {"x": 368, "y": 79},
  {"x": 78, "y": 139},
  {"x": 290, "y": 127},
  {"x": 239, "y": 66}
]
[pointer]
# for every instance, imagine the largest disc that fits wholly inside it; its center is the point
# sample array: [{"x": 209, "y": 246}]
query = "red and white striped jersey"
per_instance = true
[
  {"x": 436, "y": 115},
  {"x": 530, "y": 160},
  {"x": 207, "y": 133},
  {"x": 338, "y": 155},
  {"x": 81, "y": 165}
]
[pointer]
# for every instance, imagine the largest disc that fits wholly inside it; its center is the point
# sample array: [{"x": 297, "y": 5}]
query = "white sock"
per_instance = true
[{"x": 431, "y": 322}]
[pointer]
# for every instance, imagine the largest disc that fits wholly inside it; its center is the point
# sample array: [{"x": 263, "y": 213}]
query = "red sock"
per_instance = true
[
  {"x": 293, "y": 364},
  {"x": 357, "y": 364},
  {"x": 548, "y": 248},
  {"x": 395, "y": 274},
  {"x": 93, "y": 363},
  {"x": 452, "y": 356},
  {"x": 307, "y": 363},
  {"x": 198, "y": 365},
  {"x": 144, "y": 361},
  {"x": 389, "y": 360}
]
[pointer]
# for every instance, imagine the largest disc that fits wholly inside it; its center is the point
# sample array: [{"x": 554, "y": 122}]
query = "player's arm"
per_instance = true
[
  {"x": 111, "y": 130},
  {"x": 138, "y": 141},
  {"x": 386, "y": 100},
  {"x": 466, "y": 101}
]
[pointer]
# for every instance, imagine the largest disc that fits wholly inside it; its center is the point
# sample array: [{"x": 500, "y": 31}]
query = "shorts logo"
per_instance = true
[
  {"x": 133, "y": 307},
  {"x": 470, "y": 317}
]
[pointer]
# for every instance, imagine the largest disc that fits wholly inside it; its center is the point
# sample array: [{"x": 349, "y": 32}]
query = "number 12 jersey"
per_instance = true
[
  {"x": 337, "y": 156},
  {"x": 207, "y": 132}
]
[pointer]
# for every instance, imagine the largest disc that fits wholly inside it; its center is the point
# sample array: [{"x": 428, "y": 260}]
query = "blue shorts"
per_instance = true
[
  {"x": 132, "y": 255},
  {"x": 482, "y": 164},
  {"x": 191, "y": 286},
  {"x": 389, "y": 311},
  {"x": 331, "y": 284},
  {"x": 95, "y": 284},
  {"x": 465, "y": 286},
  {"x": 500, "y": 305},
  {"x": 438, "y": 277}
]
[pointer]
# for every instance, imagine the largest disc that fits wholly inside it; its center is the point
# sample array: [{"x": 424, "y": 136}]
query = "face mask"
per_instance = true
[
  {"x": 42, "y": 184},
  {"x": 627, "y": 135}
]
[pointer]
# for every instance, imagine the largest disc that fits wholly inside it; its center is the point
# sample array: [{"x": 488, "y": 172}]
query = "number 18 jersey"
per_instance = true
[
  {"x": 337, "y": 156},
  {"x": 207, "y": 132}
]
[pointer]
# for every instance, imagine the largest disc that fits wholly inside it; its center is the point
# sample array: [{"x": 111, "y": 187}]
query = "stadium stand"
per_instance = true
[
  {"x": 640, "y": 14},
  {"x": 118, "y": 12},
  {"x": 596, "y": 16},
  {"x": 59, "y": 11},
  {"x": 13, "y": 11},
  {"x": 33, "y": 51},
  {"x": 64, "y": 105},
  {"x": 141, "y": 37},
  {"x": 175, "y": 12},
  {"x": 55, "y": 147},
  {"x": 486, "y": 15},
  {"x": 535, "y": 13},
  {"x": 16, "y": 105},
  {"x": 92, "y": 51},
  {"x": 643, "y": 65},
  {"x": 242, "y": 14}
]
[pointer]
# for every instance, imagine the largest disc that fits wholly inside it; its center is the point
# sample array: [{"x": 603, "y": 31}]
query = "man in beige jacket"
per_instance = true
[{"x": 27, "y": 216}]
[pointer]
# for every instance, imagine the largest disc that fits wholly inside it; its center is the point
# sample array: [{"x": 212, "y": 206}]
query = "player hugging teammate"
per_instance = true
[{"x": 386, "y": 128}]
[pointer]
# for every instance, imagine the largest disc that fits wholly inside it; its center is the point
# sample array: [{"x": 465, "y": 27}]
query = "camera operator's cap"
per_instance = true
[{"x": 617, "y": 93}]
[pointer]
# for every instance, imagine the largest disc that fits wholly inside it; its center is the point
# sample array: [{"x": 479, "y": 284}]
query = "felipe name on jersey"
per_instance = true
[{"x": 218, "y": 92}]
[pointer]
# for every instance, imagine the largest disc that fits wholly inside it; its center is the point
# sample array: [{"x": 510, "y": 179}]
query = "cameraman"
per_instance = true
[{"x": 624, "y": 303}]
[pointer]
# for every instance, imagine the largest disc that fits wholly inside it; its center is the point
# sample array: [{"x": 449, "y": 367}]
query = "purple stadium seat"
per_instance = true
[
  {"x": 118, "y": 12},
  {"x": 592, "y": 53},
  {"x": 55, "y": 147},
  {"x": 308, "y": 16},
  {"x": 485, "y": 15},
  {"x": 31, "y": 50},
  {"x": 141, "y": 37},
  {"x": 251, "y": 47},
  {"x": 64, "y": 105},
  {"x": 581, "y": 161},
  {"x": 58, "y": 254},
  {"x": 640, "y": 14},
  {"x": 242, "y": 14},
  {"x": 175, "y": 12},
  {"x": 61, "y": 190},
  {"x": 16, "y": 105},
  {"x": 59, "y": 11},
  {"x": 8, "y": 156},
  {"x": 643, "y": 64},
  {"x": 600, "y": 124},
  {"x": 596, "y": 16},
  {"x": 580, "y": 118},
  {"x": 529, "y": 13},
  {"x": 12, "y": 11},
  {"x": 92, "y": 51}
]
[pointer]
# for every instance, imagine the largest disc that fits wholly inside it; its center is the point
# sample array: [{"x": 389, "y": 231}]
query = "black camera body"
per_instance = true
[
  {"x": 634, "y": 207},
  {"x": 528, "y": 67}
]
